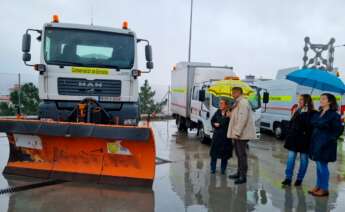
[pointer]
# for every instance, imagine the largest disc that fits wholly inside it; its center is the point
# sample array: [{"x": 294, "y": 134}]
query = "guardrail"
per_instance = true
[
  {"x": 10, "y": 117},
  {"x": 155, "y": 117}
]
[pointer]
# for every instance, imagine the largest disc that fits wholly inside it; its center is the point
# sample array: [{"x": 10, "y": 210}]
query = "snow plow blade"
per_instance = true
[{"x": 108, "y": 154}]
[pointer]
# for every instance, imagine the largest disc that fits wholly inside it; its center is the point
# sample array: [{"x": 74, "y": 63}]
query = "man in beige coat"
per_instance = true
[{"x": 241, "y": 130}]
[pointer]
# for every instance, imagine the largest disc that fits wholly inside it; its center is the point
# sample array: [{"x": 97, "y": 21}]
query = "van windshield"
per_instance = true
[{"x": 76, "y": 47}]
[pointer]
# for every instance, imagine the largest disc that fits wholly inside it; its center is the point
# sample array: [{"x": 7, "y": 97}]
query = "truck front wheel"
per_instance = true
[
  {"x": 204, "y": 139},
  {"x": 278, "y": 131}
]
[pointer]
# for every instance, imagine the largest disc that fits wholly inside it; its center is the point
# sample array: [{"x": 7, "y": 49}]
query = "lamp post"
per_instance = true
[
  {"x": 189, "y": 55},
  {"x": 190, "y": 30}
]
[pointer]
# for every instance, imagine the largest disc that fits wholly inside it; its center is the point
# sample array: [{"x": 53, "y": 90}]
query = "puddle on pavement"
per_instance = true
[{"x": 185, "y": 184}]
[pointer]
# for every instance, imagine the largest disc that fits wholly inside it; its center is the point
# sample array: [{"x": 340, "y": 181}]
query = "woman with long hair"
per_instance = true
[
  {"x": 323, "y": 147},
  {"x": 298, "y": 139}
]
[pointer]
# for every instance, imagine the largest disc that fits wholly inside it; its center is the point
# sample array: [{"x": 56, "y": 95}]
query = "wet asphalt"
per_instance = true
[{"x": 185, "y": 183}]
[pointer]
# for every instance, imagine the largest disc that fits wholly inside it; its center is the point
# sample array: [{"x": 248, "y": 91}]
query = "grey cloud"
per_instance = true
[{"x": 256, "y": 37}]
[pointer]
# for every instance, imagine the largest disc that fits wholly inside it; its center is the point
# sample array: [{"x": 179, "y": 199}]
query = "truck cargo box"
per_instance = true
[{"x": 186, "y": 75}]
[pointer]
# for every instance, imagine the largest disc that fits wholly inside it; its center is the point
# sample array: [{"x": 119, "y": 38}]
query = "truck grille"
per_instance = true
[{"x": 84, "y": 87}]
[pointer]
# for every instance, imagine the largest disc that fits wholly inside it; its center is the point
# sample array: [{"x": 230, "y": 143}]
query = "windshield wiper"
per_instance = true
[
  {"x": 103, "y": 66},
  {"x": 65, "y": 63}
]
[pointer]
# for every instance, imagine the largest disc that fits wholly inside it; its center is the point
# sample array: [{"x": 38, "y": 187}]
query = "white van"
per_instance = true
[{"x": 283, "y": 96}]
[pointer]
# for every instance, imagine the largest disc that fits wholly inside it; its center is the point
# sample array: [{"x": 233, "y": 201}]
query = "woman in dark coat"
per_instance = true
[
  {"x": 298, "y": 139},
  {"x": 323, "y": 147},
  {"x": 221, "y": 147}
]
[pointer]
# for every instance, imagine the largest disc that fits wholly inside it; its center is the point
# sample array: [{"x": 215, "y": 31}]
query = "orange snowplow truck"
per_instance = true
[{"x": 87, "y": 125}]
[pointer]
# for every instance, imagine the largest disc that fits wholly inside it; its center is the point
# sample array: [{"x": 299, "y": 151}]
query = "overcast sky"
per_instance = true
[{"x": 256, "y": 37}]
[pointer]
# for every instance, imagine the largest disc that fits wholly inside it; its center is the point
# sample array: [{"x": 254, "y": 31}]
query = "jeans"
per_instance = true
[
  {"x": 224, "y": 164},
  {"x": 242, "y": 159},
  {"x": 322, "y": 173},
  {"x": 290, "y": 165}
]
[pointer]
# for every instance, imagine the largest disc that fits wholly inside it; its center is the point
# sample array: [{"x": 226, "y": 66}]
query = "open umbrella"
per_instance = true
[
  {"x": 317, "y": 79},
  {"x": 224, "y": 87}
]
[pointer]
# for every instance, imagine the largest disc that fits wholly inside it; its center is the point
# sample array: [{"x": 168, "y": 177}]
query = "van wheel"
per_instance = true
[
  {"x": 204, "y": 139},
  {"x": 278, "y": 131}
]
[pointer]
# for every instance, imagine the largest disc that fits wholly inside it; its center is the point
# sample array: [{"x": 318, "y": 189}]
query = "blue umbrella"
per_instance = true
[{"x": 317, "y": 79}]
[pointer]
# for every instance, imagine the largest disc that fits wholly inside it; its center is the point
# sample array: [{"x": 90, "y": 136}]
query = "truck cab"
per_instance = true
[
  {"x": 192, "y": 105},
  {"x": 79, "y": 62},
  {"x": 205, "y": 105}
]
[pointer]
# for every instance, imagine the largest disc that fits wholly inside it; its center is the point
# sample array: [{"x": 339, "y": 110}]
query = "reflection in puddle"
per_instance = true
[
  {"x": 195, "y": 186},
  {"x": 81, "y": 197}
]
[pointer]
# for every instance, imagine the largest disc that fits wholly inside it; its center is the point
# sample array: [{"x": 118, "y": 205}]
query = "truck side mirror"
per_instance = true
[
  {"x": 148, "y": 55},
  {"x": 26, "y": 45},
  {"x": 149, "y": 65},
  {"x": 266, "y": 97},
  {"x": 26, "y": 57},
  {"x": 26, "y": 42},
  {"x": 202, "y": 95}
]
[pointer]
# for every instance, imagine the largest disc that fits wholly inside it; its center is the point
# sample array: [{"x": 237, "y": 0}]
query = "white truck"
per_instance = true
[
  {"x": 191, "y": 104},
  {"x": 283, "y": 96},
  {"x": 81, "y": 62}
]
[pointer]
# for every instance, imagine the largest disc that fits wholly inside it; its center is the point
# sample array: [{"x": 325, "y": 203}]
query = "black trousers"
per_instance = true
[{"x": 242, "y": 158}]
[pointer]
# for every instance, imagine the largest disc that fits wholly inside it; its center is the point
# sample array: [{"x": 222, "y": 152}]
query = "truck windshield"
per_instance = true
[
  {"x": 77, "y": 47},
  {"x": 216, "y": 99}
]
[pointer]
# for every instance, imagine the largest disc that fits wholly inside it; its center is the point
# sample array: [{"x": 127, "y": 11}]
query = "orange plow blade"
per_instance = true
[{"x": 80, "y": 152}]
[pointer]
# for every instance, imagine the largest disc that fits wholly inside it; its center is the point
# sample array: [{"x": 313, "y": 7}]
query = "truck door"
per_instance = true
[{"x": 205, "y": 112}]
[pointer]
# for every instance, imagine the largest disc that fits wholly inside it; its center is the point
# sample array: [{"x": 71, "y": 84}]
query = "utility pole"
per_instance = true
[
  {"x": 189, "y": 54},
  {"x": 190, "y": 31},
  {"x": 169, "y": 100}
]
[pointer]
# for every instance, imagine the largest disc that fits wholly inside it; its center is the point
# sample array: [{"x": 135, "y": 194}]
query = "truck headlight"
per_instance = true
[
  {"x": 130, "y": 122},
  {"x": 257, "y": 123}
]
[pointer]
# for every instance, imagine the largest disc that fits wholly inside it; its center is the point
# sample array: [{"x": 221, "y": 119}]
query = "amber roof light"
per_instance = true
[
  {"x": 125, "y": 25},
  {"x": 56, "y": 19}
]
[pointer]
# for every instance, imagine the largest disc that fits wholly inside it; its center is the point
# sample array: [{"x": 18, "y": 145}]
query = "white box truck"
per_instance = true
[
  {"x": 283, "y": 96},
  {"x": 191, "y": 104}
]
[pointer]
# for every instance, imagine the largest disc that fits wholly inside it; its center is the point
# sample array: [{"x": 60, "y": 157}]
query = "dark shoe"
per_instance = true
[
  {"x": 213, "y": 171},
  {"x": 234, "y": 176},
  {"x": 298, "y": 183},
  {"x": 286, "y": 182},
  {"x": 240, "y": 180},
  {"x": 223, "y": 172}
]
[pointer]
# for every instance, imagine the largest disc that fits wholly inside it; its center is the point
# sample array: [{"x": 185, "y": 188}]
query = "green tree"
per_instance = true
[
  {"x": 147, "y": 103},
  {"x": 29, "y": 101},
  {"x": 6, "y": 109}
]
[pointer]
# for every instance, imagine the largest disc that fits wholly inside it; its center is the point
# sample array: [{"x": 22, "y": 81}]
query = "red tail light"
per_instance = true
[
  {"x": 342, "y": 112},
  {"x": 342, "y": 109}
]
